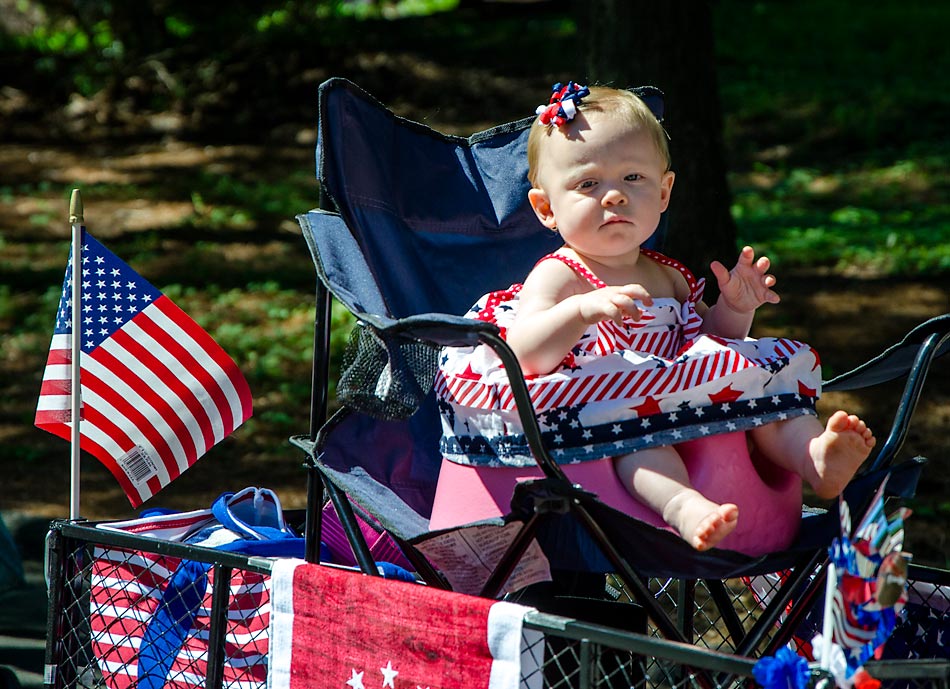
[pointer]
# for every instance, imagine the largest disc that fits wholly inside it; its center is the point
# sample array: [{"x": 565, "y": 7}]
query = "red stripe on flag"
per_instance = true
[
  {"x": 50, "y": 419},
  {"x": 159, "y": 441},
  {"x": 213, "y": 350},
  {"x": 154, "y": 484},
  {"x": 186, "y": 356},
  {"x": 56, "y": 387},
  {"x": 59, "y": 357},
  {"x": 187, "y": 396}
]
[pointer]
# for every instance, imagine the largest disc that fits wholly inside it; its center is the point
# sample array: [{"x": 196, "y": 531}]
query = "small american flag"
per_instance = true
[{"x": 157, "y": 391}]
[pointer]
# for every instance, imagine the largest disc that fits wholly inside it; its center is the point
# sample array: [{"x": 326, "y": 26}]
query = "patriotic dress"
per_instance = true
[{"x": 647, "y": 383}]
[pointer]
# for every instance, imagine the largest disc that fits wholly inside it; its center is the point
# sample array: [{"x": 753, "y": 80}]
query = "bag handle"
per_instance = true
[{"x": 254, "y": 513}]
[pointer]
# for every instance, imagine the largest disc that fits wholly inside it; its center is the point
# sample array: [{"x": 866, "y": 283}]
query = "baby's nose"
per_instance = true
[{"x": 614, "y": 197}]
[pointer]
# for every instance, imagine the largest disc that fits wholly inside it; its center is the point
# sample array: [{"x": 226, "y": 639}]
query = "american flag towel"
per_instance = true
[
  {"x": 337, "y": 628},
  {"x": 157, "y": 391},
  {"x": 150, "y": 614},
  {"x": 150, "y": 621}
]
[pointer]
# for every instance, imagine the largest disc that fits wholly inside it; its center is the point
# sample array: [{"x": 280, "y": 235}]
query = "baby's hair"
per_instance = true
[{"x": 620, "y": 102}]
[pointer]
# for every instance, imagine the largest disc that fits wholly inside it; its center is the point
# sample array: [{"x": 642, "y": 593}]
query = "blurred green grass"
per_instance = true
[{"x": 837, "y": 145}]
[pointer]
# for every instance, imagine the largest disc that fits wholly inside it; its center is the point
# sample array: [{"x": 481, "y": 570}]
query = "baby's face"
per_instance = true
[{"x": 603, "y": 185}]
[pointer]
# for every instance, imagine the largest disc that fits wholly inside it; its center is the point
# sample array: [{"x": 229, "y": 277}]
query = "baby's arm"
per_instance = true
[
  {"x": 741, "y": 291},
  {"x": 555, "y": 308}
]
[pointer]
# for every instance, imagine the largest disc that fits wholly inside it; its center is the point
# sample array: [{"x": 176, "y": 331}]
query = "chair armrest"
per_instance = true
[
  {"x": 898, "y": 360},
  {"x": 442, "y": 329},
  {"x": 912, "y": 358}
]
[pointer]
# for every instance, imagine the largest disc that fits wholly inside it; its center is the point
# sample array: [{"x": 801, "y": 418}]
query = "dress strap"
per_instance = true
[
  {"x": 695, "y": 286},
  {"x": 578, "y": 268}
]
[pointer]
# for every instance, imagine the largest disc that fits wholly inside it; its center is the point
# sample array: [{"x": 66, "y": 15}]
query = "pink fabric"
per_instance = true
[
  {"x": 381, "y": 545},
  {"x": 769, "y": 499}
]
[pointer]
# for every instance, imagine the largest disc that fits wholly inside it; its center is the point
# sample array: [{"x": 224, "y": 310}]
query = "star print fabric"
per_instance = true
[
  {"x": 647, "y": 383},
  {"x": 334, "y": 628}
]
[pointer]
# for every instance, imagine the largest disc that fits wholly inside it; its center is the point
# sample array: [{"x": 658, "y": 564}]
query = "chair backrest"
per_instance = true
[
  {"x": 440, "y": 219},
  {"x": 428, "y": 223}
]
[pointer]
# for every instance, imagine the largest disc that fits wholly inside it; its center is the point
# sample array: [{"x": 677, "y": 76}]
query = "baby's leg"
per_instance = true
[
  {"x": 826, "y": 457},
  {"x": 657, "y": 477}
]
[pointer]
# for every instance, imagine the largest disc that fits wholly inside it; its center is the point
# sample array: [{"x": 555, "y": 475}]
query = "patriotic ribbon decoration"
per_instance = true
[
  {"x": 867, "y": 589},
  {"x": 785, "y": 670},
  {"x": 869, "y": 568},
  {"x": 563, "y": 104}
]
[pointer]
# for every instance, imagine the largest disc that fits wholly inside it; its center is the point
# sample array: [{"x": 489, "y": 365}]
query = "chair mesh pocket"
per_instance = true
[{"x": 387, "y": 378}]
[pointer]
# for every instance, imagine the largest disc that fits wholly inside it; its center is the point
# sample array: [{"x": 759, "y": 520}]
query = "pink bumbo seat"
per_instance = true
[{"x": 720, "y": 467}]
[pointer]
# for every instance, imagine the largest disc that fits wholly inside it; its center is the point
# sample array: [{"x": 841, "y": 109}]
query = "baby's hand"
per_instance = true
[
  {"x": 747, "y": 286},
  {"x": 612, "y": 304}
]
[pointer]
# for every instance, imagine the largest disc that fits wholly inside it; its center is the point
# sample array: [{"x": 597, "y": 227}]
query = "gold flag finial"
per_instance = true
[{"x": 75, "y": 208}]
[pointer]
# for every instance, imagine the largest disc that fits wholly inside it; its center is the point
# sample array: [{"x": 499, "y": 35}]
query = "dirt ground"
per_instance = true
[{"x": 847, "y": 320}]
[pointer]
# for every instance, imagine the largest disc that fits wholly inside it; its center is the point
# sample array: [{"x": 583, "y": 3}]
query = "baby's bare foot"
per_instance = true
[
  {"x": 715, "y": 527},
  {"x": 838, "y": 452},
  {"x": 701, "y": 522}
]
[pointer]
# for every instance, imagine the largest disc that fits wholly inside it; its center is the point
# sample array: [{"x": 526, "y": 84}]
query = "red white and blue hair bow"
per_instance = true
[{"x": 563, "y": 104}]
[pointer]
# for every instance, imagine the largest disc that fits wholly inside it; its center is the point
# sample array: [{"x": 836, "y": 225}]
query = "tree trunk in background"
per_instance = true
[{"x": 669, "y": 44}]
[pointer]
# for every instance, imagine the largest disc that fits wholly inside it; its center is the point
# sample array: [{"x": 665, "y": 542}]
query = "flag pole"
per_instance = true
[
  {"x": 827, "y": 623},
  {"x": 76, "y": 221}
]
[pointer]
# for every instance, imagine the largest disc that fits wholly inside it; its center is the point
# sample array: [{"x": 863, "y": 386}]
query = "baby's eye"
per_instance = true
[
  {"x": 587, "y": 184},
  {"x": 633, "y": 177}
]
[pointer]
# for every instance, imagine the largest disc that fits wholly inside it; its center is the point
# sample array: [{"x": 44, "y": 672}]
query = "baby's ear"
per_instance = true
[
  {"x": 666, "y": 188},
  {"x": 542, "y": 207}
]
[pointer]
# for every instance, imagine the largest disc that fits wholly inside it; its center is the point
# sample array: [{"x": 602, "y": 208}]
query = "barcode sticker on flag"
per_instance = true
[{"x": 138, "y": 465}]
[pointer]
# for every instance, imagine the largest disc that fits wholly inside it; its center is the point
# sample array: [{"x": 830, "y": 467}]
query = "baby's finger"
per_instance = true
[
  {"x": 627, "y": 306},
  {"x": 763, "y": 264},
  {"x": 634, "y": 291},
  {"x": 771, "y": 296},
  {"x": 720, "y": 272}
]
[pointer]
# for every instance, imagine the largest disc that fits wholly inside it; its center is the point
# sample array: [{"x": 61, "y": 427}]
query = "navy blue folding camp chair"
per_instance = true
[{"x": 414, "y": 227}]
